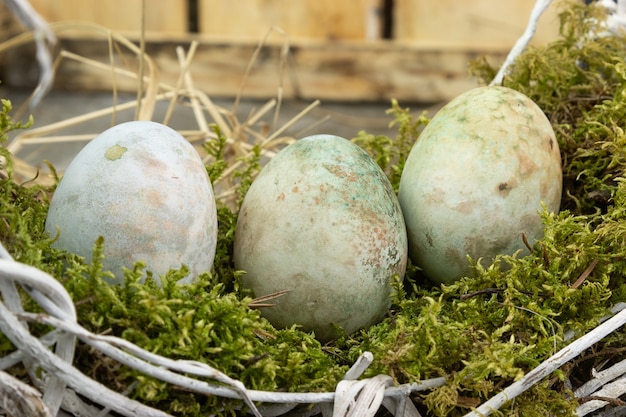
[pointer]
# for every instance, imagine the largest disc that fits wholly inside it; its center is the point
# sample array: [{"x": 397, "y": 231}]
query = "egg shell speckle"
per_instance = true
[
  {"x": 144, "y": 188},
  {"x": 476, "y": 180},
  {"x": 322, "y": 221}
]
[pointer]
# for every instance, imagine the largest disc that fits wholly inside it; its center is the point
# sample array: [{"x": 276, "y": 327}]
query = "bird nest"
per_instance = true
[{"x": 533, "y": 336}]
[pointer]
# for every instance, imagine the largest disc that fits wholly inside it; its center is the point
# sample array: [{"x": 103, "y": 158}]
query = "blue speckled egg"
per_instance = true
[
  {"x": 144, "y": 188},
  {"x": 322, "y": 222},
  {"x": 477, "y": 180}
]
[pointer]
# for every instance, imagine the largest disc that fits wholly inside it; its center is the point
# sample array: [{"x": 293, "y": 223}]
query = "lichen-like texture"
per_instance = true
[
  {"x": 144, "y": 188},
  {"x": 322, "y": 222},
  {"x": 482, "y": 333},
  {"x": 476, "y": 181}
]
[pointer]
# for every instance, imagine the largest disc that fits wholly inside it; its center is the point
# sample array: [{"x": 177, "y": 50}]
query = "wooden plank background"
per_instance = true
[
  {"x": 338, "y": 71},
  {"x": 336, "y": 48},
  {"x": 470, "y": 22},
  {"x": 162, "y": 16},
  {"x": 300, "y": 19}
]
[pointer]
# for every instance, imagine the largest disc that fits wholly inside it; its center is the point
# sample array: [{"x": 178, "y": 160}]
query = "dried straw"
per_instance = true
[{"x": 242, "y": 135}]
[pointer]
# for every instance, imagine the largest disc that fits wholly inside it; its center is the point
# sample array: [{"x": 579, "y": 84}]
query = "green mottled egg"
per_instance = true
[
  {"x": 322, "y": 222},
  {"x": 476, "y": 180},
  {"x": 144, "y": 188}
]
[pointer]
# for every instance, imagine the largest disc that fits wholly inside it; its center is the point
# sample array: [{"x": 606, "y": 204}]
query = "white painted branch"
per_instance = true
[
  {"x": 616, "y": 22},
  {"x": 523, "y": 41},
  {"x": 23, "y": 10},
  {"x": 401, "y": 407},
  {"x": 601, "y": 378},
  {"x": 140, "y": 359},
  {"x": 161, "y": 368},
  {"x": 359, "y": 366},
  {"x": 57, "y": 298},
  {"x": 612, "y": 390},
  {"x": 74, "y": 405},
  {"x": 82, "y": 384},
  {"x": 550, "y": 365},
  {"x": 20, "y": 399},
  {"x": 361, "y": 398},
  {"x": 618, "y": 411},
  {"x": 8, "y": 287},
  {"x": 53, "y": 297},
  {"x": 18, "y": 356}
]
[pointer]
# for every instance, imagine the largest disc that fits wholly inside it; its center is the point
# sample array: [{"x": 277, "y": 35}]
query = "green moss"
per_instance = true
[
  {"x": 482, "y": 333},
  {"x": 391, "y": 154}
]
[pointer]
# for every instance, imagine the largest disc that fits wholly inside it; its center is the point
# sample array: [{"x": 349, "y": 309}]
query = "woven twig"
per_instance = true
[
  {"x": 614, "y": 25},
  {"x": 611, "y": 390},
  {"x": 550, "y": 365},
  {"x": 601, "y": 378},
  {"x": 523, "y": 41},
  {"x": 22, "y": 399},
  {"x": 353, "y": 397},
  {"x": 44, "y": 38},
  {"x": 185, "y": 374}
]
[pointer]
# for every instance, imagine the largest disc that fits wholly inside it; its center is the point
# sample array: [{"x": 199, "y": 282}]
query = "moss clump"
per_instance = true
[
  {"x": 200, "y": 322},
  {"x": 391, "y": 154},
  {"x": 481, "y": 333},
  {"x": 486, "y": 331}
]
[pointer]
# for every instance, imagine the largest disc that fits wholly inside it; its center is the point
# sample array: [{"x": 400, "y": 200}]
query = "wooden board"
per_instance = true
[
  {"x": 9, "y": 26},
  {"x": 470, "y": 22},
  {"x": 163, "y": 16},
  {"x": 344, "y": 71},
  {"x": 301, "y": 19},
  {"x": 335, "y": 53}
]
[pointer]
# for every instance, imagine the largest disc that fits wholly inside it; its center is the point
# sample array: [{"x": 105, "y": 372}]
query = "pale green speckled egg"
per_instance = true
[
  {"x": 476, "y": 180},
  {"x": 322, "y": 221},
  {"x": 144, "y": 188}
]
